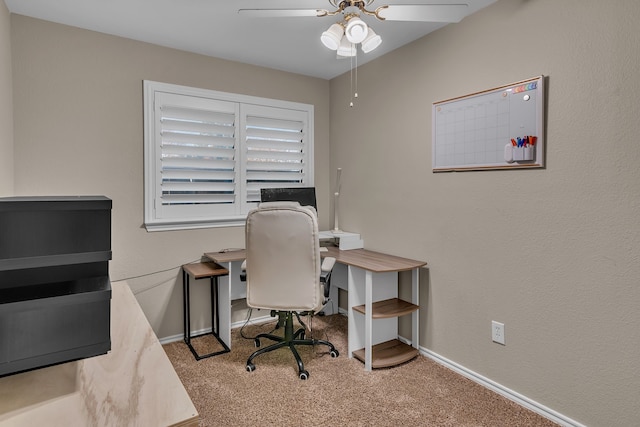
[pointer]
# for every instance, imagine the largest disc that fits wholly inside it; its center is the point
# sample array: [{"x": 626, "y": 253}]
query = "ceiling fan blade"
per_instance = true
[
  {"x": 279, "y": 13},
  {"x": 424, "y": 12}
]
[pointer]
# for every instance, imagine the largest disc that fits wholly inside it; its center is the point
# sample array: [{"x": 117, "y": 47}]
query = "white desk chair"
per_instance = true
[{"x": 284, "y": 272}]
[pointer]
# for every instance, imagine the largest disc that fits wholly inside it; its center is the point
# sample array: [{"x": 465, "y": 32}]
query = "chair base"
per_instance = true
[{"x": 290, "y": 340}]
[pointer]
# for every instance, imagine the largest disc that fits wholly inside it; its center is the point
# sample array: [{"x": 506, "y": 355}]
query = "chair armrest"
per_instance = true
[
  {"x": 243, "y": 271},
  {"x": 328, "y": 263},
  {"x": 325, "y": 273},
  {"x": 326, "y": 267}
]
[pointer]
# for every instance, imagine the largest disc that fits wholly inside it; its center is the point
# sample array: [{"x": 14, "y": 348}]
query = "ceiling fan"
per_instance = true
[
  {"x": 428, "y": 12},
  {"x": 344, "y": 35}
]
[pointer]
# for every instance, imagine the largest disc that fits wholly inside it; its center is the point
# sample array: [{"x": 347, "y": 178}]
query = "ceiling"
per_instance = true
[{"x": 214, "y": 28}]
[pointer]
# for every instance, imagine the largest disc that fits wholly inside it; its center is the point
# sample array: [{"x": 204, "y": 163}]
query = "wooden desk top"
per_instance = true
[
  {"x": 362, "y": 258},
  {"x": 227, "y": 256},
  {"x": 373, "y": 261}
]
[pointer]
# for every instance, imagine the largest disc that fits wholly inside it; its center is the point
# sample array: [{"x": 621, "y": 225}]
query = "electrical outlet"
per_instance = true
[{"x": 497, "y": 332}]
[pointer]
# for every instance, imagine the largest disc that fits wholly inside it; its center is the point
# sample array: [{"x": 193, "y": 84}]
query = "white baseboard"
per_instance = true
[
  {"x": 502, "y": 390},
  {"x": 254, "y": 321},
  {"x": 180, "y": 337},
  {"x": 174, "y": 338}
]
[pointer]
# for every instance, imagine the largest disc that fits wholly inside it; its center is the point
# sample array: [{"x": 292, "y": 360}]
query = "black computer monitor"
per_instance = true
[{"x": 306, "y": 196}]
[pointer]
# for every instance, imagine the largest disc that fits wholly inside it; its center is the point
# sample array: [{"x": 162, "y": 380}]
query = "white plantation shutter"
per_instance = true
[
  {"x": 197, "y": 150},
  {"x": 276, "y": 147},
  {"x": 208, "y": 154}
]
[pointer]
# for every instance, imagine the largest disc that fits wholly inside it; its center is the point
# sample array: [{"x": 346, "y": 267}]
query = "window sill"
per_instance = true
[{"x": 193, "y": 225}]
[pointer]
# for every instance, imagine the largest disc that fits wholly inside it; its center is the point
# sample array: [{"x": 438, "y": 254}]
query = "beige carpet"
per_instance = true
[{"x": 338, "y": 392}]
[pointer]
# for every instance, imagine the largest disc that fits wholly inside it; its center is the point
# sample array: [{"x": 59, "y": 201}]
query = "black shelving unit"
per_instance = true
[{"x": 55, "y": 292}]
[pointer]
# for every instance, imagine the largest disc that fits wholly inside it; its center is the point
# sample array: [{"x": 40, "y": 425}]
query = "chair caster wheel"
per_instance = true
[
  {"x": 304, "y": 375},
  {"x": 251, "y": 367},
  {"x": 334, "y": 353},
  {"x": 256, "y": 342}
]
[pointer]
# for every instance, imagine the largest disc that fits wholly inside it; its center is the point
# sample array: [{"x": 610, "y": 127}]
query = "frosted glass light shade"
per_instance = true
[
  {"x": 356, "y": 30},
  {"x": 331, "y": 38},
  {"x": 370, "y": 42},
  {"x": 346, "y": 48}
]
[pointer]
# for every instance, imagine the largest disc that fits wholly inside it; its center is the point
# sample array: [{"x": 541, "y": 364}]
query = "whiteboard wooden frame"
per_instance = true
[{"x": 456, "y": 144}]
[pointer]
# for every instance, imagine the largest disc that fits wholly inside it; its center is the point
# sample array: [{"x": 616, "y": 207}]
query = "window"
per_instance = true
[{"x": 208, "y": 154}]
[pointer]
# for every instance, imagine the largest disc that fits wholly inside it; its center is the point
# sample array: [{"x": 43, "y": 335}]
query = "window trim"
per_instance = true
[{"x": 151, "y": 222}]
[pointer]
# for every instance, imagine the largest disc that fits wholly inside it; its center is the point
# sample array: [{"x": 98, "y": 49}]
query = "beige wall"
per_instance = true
[
  {"x": 78, "y": 130},
  {"x": 551, "y": 253},
  {"x": 6, "y": 104},
  {"x": 554, "y": 254}
]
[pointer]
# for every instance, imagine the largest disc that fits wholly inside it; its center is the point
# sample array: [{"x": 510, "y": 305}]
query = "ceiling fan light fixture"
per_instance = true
[
  {"x": 346, "y": 48},
  {"x": 356, "y": 30},
  {"x": 331, "y": 38},
  {"x": 370, "y": 42}
]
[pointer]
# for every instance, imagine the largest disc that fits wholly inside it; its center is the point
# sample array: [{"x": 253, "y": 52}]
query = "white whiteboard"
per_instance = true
[{"x": 475, "y": 132}]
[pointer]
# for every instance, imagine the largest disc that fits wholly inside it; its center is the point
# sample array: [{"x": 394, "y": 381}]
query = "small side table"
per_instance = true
[{"x": 203, "y": 270}]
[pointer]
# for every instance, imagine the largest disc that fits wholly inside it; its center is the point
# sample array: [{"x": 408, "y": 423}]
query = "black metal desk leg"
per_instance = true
[
  {"x": 217, "y": 330},
  {"x": 215, "y": 316},
  {"x": 186, "y": 307}
]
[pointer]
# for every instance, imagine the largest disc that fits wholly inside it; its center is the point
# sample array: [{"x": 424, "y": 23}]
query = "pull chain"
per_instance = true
[
  {"x": 351, "y": 80},
  {"x": 354, "y": 93}
]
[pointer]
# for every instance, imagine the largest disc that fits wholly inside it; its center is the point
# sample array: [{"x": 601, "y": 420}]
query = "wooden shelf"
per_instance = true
[
  {"x": 393, "y": 307},
  {"x": 389, "y": 353}
]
